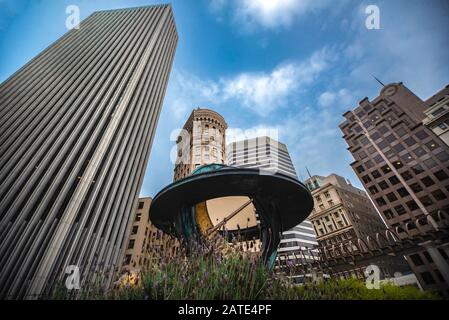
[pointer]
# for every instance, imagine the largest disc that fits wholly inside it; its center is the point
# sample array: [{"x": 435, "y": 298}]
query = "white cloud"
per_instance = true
[
  {"x": 217, "y": 5},
  {"x": 326, "y": 99},
  {"x": 253, "y": 15},
  {"x": 265, "y": 92},
  {"x": 186, "y": 92},
  {"x": 259, "y": 92},
  {"x": 341, "y": 97},
  {"x": 271, "y": 14}
]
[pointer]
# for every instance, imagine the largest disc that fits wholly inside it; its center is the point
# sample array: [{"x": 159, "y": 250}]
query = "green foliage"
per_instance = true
[
  {"x": 204, "y": 276},
  {"x": 208, "y": 274},
  {"x": 354, "y": 289}
]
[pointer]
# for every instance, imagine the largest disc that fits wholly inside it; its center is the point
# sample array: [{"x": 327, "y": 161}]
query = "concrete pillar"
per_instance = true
[
  {"x": 438, "y": 259},
  {"x": 445, "y": 248}
]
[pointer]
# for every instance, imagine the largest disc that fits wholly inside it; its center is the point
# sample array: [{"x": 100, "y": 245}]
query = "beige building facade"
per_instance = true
[
  {"x": 437, "y": 115},
  {"x": 342, "y": 213},
  {"x": 201, "y": 141},
  {"x": 341, "y": 210},
  {"x": 146, "y": 244}
]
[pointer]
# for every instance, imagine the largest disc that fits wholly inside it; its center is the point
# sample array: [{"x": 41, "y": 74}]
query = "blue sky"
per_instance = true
[{"x": 289, "y": 65}]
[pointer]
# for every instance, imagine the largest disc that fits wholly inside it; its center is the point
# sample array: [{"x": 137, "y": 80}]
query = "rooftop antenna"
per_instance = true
[
  {"x": 308, "y": 172},
  {"x": 381, "y": 83}
]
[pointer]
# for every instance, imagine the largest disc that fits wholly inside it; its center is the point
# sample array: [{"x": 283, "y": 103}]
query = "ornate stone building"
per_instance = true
[
  {"x": 202, "y": 141},
  {"x": 341, "y": 210},
  {"x": 437, "y": 115},
  {"x": 343, "y": 213}
]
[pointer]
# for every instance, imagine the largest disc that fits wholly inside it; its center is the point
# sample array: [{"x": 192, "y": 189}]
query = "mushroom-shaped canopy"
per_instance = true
[{"x": 281, "y": 201}]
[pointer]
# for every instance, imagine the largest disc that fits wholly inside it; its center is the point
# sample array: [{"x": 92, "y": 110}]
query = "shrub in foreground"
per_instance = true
[{"x": 208, "y": 274}]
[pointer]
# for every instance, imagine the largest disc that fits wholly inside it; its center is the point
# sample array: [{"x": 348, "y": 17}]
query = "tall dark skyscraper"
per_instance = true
[
  {"x": 404, "y": 166},
  {"x": 76, "y": 129}
]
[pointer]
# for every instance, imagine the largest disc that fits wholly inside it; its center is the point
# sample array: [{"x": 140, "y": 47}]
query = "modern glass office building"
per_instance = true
[{"x": 76, "y": 129}]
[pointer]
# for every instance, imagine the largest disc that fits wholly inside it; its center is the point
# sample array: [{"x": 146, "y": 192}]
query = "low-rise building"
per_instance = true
[
  {"x": 437, "y": 115},
  {"x": 343, "y": 213},
  {"x": 146, "y": 244}
]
